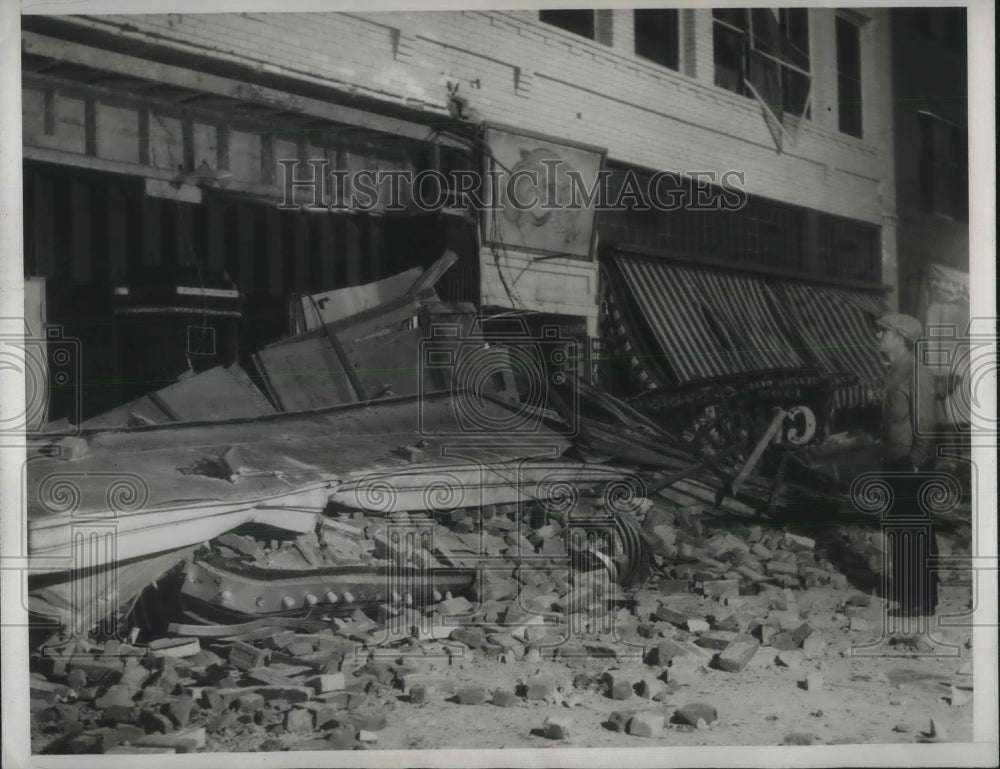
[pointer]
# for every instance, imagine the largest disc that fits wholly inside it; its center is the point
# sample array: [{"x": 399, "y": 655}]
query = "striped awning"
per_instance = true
[
  {"x": 687, "y": 324},
  {"x": 836, "y": 325},
  {"x": 708, "y": 323}
]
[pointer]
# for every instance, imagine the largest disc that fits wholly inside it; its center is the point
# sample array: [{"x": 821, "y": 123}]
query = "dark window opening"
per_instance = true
[
  {"x": 657, "y": 35},
  {"x": 765, "y": 51},
  {"x": 849, "y": 249},
  {"x": 849, "y": 77},
  {"x": 579, "y": 22},
  {"x": 944, "y": 171}
]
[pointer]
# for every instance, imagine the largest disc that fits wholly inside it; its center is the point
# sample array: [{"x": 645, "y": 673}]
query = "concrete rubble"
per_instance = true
[{"x": 633, "y": 594}]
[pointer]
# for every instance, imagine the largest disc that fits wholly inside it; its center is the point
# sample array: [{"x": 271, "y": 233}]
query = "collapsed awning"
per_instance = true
[
  {"x": 836, "y": 325},
  {"x": 681, "y": 324}
]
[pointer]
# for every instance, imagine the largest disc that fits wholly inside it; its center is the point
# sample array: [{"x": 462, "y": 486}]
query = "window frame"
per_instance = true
[
  {"x": 944, "y": 182},
  {"x": 748, "y": 49},
  {"x": 571, "y": 29},
  {"x": 842, "y": 21},
  {"x": 674, "y": 61}
]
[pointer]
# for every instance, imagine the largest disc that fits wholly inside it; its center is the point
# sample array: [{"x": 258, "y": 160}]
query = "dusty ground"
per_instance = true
[
  {"x": 863, "y": 700},
  {"x": 888, "y": 697}
]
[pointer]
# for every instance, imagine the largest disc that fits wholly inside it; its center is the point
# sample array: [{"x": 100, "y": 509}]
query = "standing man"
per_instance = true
[{"x": 908, "y": 415}]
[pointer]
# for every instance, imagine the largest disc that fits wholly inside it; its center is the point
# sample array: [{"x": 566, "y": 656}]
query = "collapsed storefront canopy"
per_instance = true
[{"x": 683, "y": 323}]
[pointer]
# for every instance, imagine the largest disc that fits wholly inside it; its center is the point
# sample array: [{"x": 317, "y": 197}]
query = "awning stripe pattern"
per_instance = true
[
  {"x": 705, "y": 323},
  {"x": 837, "y": 326}
]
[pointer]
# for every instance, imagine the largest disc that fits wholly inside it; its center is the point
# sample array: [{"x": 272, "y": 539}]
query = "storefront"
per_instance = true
[{"x": 141, "y": 173}]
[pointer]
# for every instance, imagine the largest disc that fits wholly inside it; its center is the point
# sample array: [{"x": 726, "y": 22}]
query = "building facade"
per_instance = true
[
  {"x": 153, "y": 145},
  {"x": 930, "y": 118}
]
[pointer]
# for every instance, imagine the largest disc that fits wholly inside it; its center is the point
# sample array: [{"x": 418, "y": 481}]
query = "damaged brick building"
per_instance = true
[{"x": 252, "y": 404}]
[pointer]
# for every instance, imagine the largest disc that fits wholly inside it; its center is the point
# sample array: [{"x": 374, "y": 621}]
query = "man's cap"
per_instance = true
[{"x": 906, "y": 326}]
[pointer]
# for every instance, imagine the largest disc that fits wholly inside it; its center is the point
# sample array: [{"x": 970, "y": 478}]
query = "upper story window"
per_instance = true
[
  {"x": 764, "y": 52},
  {"x": 944, "y": 181},
  {"x": 657, "y": 35},
  {"x": 849, "y": 76},
  {"x": 578, "y": 21}
]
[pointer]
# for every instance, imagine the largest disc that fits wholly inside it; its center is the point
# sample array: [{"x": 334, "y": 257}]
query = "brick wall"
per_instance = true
[
  {"x": 585, "y": 91},
  {"x": 515, "y": 70}
]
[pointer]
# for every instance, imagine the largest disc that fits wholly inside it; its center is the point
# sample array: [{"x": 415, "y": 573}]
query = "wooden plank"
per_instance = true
[
  {"x": 275, "y": 255},
  {"x": 244, "y": 156},
  {"x": 117, "y": 235},
  {"x": 268, "y": 165},
  {"x": 341, "y": 303},
  {"x": 301, "y": 254},
  {"x": 71, "y": 134},
  {"x": 151, "y": 208},
  {"x": 222, "y": 147},
  {"x": 36, "y": 115},
  {"x": 205, "y": 145},
  {"x": 187, "y": 143},
  {"x": 80, "y": 213},
  {"x": 214, "y": 394},
  {"x": 327, "y": 253},
  {"x": 246, "y": 243},
  {"x": 305, "y": 375},
  {"x": 43, "y": 227},
  {"x": 353, "y": 250},
  {"x": 375, "y": 256},
  {"x": 118, "y": 133}
]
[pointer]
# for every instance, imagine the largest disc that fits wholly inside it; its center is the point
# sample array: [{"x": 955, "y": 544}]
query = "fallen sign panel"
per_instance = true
[{"x": 157, "y": 488}]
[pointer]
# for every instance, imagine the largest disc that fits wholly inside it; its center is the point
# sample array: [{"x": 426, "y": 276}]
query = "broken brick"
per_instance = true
[
  {"x": 183, "y": 710},
  {"x": 369, "y": 721},
  {"x": 246, "y": 657},
  {"x": 694, "y": 712},
  {"x": 98, "y": 672},
  {"x": 716, "y": 639},
  {"x": 798, "y": 543},
  {"x": 418, "y": 694},
  {"x": 471, "y": 695},
  {"x": 175, "y": 647},
  {"x": 619, "y": 687},
  {"x": 619, "y": 719},
  {"x": 813, "y": 646},
  {"x": 558, "y": 727},
  {"x": 782, "y": 641},
  {"x": 721, "y": 587},
  {"x": 504, "y": 698},
  {"x": 250, "y": 702},
  {"x": 736, "y": 655},
  {"x": 117, "y": 695},
  {"x": 539, "y": 688},
  {"x": 298, "y": 720},
  {"x": 646, "y": 723},
  {"x": 342, "y": 738}
]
